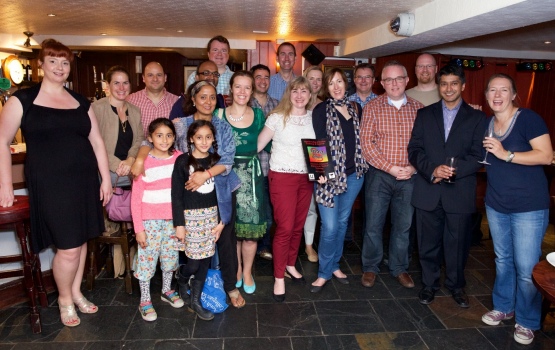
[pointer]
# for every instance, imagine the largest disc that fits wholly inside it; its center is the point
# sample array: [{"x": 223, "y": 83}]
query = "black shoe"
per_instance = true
[
  {"x": 316, "y": 289},
  {"x": 183, "y": 287},
  {"x": 196, "y": 306},
  {"x": 460, "y": 298},
  {"x": 280, "y": 298},
  {"x": 426, "y": 295},
  {"x": 342, "y": 280},
  {"x": 296, "y": 280}
]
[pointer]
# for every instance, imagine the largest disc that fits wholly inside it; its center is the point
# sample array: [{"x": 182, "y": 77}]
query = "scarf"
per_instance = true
[{"x": 333, "y": 187}]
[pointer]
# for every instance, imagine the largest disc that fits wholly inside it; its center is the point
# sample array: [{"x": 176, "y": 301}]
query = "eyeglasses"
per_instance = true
[
  {"x": 364, "y": 77},
  {"x": 207, "y": 73},
  {"x": 427, "y": 66},
  {"x": 398, "y": 80}
]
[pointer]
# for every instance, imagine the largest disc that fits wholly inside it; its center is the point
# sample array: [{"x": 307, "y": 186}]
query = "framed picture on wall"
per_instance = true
[
  {"x": 349, "y": 72},
  {"x": 188, "y": 70}
]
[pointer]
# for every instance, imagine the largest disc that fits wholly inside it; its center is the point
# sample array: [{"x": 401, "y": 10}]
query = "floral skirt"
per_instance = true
[
  {"x": 250, "y": 222},
  {"x": 200, "y": 243}
]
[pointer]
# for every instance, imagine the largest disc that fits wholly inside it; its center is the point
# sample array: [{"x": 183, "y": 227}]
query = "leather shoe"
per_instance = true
[
  {"x": 342, "y": 280},
  {"x": 426, "y": 295},
  {"x": 405, "y": 280},
  {"x": 316, "y": 289},
  {"x": 368, "y": 279},
  {"x": 460, "y": 298},
  {"x": 280, "y": 298}
]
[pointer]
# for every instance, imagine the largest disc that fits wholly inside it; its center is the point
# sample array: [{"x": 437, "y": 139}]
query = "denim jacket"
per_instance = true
[{"x": 228, "y": 181}]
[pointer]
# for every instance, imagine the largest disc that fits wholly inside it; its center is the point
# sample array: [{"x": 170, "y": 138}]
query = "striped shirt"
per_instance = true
[
  {"x": 386, "y": 130},
  {"x": 150, "y": 111},
  {"x": 151, "y": 196}
]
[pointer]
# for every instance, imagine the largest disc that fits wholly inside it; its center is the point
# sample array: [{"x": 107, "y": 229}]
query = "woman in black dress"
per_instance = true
[{"x": 65, "y": 153}]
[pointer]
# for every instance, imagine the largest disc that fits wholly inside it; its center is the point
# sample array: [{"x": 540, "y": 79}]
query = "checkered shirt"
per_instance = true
[{"x": 150, "y": 111}]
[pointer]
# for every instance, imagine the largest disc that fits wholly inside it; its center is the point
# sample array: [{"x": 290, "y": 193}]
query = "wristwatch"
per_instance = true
[{"x": 510, "y": 156}]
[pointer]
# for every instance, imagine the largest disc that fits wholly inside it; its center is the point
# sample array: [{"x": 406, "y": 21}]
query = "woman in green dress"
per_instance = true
[{"x": 250, "y": 224}]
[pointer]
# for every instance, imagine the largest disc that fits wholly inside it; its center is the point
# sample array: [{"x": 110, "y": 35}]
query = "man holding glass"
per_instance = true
[
  {"x": 385, "y": 132},
  {"x": 448, "y": 129}
]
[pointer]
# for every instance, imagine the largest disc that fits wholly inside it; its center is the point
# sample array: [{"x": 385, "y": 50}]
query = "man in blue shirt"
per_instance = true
[
  {"x": 364, "y": 80},
  {"x": 286, "y": 55}
]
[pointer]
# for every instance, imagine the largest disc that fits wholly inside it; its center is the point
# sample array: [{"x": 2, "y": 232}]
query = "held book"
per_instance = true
[{"x": 318, "y": 158}]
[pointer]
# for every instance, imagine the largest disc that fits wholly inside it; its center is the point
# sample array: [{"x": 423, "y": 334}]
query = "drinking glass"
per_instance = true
[
  {"x": 451, "y": 162},
  {"x": 489, "y": 133}
]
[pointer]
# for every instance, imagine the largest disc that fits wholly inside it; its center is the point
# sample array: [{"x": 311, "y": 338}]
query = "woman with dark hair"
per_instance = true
[
  {"x": 246, "y": 123},
  {"x": 120, "y": 125},
  {"x": 195, "y": 213},
  {"x": 65, "y": 154},
  {"x": 338, "y": 121},
  {"x": 517, "y": 205}
]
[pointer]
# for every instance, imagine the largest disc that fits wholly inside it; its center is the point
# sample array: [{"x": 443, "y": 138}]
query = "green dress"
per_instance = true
[{"x": 251, "y": 220}]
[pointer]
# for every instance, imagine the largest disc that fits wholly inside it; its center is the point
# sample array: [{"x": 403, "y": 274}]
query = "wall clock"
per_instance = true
[{"x": 13, "y": 69}]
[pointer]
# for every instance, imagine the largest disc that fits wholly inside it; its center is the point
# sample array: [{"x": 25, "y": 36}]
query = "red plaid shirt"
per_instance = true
[
  {"x": 385, "y": 132},
  {"x": 150, "y": 111}
]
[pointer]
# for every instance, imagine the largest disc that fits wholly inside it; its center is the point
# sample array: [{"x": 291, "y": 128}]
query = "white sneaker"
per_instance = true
[{"x": 494, "y": 317}]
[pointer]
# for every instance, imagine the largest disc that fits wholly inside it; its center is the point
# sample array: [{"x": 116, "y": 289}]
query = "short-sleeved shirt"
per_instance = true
[
  {"x": 278, "y": 85},
  {"x": 516, "y": 188}
]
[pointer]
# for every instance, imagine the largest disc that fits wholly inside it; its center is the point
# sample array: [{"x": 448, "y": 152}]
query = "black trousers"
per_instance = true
[
  {"x": 227, "y": 250},
  {"x": 451, "y": 231}
]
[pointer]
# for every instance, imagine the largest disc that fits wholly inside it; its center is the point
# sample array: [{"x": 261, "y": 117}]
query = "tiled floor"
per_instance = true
[{"x": 386, "y": 316}]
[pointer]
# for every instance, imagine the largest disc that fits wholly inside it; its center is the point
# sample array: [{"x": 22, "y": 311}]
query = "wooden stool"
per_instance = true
[
  {"x": 16, "y": 218},
  {"x": 124, "y": 237}
]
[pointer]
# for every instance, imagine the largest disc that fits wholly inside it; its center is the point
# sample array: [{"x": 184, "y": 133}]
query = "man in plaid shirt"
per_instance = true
[
  {"x": 153, "y": 101},
  {"x": 385, "y": 133}
]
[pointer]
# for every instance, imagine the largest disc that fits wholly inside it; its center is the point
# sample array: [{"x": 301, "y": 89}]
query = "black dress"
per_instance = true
[{"x": 61, "y": 172}]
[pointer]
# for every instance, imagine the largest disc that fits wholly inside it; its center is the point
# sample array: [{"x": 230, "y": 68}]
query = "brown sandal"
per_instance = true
[
  {"x": 68, "y": 315},
  {"x": 236, "y": 299}
]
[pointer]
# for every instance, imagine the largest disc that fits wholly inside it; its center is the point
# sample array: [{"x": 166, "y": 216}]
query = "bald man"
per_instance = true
[
  {"x": 154, "y": 101},
  {"x": 426, "y": 91}
]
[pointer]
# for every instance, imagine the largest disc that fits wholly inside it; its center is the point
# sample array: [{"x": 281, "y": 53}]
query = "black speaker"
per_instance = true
[{"x": 313, "y": 55}]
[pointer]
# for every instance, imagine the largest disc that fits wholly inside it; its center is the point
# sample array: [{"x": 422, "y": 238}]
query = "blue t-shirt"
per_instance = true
[{"x": 516, "y": 188}]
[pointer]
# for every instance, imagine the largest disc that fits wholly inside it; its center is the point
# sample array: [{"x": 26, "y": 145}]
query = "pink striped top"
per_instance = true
[{"x": 151, "y": 195}]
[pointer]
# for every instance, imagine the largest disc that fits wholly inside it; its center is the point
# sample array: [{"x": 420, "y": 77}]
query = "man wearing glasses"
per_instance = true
[
  {"x": 364, "y": 80},
  {"x": 385, "y": 133},
  {"x": 218, "y": 52},
  {"x": 207, "y": 71},
  {"x": 426, "y": 91}
]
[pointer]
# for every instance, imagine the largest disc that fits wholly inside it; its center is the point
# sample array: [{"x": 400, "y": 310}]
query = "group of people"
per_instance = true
[{"x": 213, "y": 175}]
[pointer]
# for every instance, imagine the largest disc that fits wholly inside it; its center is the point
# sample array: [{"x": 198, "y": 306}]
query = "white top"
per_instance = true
[{"x": 287, "y": 152}]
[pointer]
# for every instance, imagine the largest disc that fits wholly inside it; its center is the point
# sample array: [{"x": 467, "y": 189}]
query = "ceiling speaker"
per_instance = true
[{"x": 313, "y": 55}]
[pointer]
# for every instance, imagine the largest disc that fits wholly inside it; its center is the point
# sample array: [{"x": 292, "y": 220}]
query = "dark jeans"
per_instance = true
[
  {"x": 266, "y": 241},
  {"x": 227, "y": 250}
]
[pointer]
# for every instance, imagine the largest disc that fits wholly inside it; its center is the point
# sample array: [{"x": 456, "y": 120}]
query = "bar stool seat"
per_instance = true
[{"x": 16, "y": 218}]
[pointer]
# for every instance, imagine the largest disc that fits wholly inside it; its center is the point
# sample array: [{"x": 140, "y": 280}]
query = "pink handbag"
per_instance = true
[{"x": 119, "y": 206}]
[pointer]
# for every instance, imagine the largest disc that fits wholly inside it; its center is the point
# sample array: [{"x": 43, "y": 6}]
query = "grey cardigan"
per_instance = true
[{"x": 109, "y": 129}]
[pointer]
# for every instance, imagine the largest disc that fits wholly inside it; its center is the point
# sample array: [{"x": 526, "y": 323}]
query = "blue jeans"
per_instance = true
[
  {"x": 334, "y": 225},
  {"x": 517, "y": 240},
  {"x": 381, "y": 192}
]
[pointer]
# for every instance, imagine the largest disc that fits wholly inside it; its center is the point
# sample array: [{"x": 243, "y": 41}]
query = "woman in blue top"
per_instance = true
[{"x": 517, "y": 205}]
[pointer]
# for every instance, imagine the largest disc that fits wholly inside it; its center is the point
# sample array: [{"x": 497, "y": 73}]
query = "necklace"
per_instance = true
[
  {"x": 123, "y": 124},
  {"x": 236, "y": 119}
]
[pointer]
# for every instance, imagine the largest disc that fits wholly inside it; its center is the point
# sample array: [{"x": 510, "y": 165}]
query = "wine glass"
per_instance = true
[{"x": 489, "y": 133}]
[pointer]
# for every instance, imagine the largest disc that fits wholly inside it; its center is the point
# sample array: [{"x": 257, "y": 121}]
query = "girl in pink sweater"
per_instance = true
[{"x": 151, "y": 209}]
